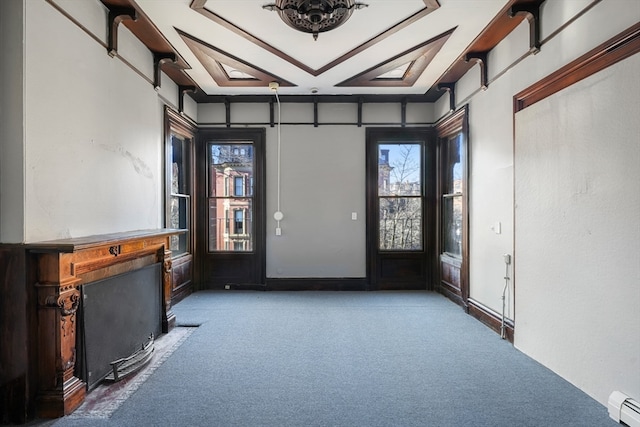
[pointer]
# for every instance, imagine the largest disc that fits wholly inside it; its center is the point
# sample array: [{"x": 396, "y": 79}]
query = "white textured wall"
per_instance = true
[
  {"x": 93, "y": 129},
  {"x": 11, "y": 122},
  {"x": 577, "y": 231},
  {"x": 559, "y": 287}
]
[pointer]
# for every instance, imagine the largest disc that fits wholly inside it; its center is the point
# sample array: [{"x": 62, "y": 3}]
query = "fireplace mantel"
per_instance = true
[{"x": 61, "y": 268}]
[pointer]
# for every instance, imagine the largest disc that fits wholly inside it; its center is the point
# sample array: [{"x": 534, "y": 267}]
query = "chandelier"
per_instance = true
[{"x": 314, "y": 16}]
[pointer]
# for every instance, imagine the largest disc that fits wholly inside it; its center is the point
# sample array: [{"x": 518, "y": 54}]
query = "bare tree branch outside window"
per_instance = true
[{"x": 400, "y": 197}]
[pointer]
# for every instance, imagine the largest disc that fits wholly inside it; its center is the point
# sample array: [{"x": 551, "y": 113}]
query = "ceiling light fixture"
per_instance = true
[{"x": 314, "y": 16}]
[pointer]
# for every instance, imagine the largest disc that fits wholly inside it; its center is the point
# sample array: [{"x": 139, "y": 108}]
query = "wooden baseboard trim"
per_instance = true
[
  {"x": 491, "y": 319},
  {"x": 453, "y": 296}
]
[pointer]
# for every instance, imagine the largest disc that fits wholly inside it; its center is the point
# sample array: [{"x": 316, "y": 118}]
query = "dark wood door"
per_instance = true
[
  {"x": 232, "y": 207},
  {"x": 401, "y": 204}
]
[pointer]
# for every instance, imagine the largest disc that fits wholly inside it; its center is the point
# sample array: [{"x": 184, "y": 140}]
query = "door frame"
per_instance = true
[
  {"x": 258, "y": 265},
  {"x": 374, "y": 257}
]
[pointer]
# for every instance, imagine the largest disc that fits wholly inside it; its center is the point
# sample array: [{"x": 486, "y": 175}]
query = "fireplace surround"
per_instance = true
[{"x": 60, "y": 268}]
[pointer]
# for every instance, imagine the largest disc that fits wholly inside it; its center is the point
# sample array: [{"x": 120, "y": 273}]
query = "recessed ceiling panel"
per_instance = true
[
  {"x": 228, "y": 70},
  {"x": 411, "y": 63},
  {"x": 361, "y": 26},
  {"x": 235, "y": 47}
]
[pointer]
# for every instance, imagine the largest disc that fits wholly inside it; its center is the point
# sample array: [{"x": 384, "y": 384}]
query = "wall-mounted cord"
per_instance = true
[
  {"x": 503, "y": 327},
  {"x": 278, "y": 214}
]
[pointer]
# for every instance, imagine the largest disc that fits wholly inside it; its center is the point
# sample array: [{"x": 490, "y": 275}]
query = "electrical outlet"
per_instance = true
[
  {"x": 507, "y": 259},
  {"x": 227, "y": 287}
]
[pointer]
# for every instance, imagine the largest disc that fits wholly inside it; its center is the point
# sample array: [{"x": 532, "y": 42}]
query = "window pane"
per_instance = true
[
  {"x": 399, "y": 170},
  {"x": 453, "y": 225},
  {"x": 230, "y": 202},
  {"x": 400, "y": 223},
  {"x": 179, "y": 172},
  {"x": 226, "y": 163},
  {"x": 238, "y": 186},
  {"x": 453, "y": 165},
  {"x": 230, "y": 224},
  {"x": 179, "y": 244},
  {"x": 179, "y": 212},
  {"x": 179, "y": 219}
]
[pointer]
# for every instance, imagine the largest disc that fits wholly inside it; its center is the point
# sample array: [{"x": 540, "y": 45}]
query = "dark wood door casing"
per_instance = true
[
  {"x": 400, "y": 269},
  {"x": 227, "y": 268}
]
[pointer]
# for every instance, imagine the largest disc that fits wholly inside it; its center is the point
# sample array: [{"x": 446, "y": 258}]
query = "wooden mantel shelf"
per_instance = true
[
  {"x": 61, "y": 267},
  {"x": 88, "y": 242}
]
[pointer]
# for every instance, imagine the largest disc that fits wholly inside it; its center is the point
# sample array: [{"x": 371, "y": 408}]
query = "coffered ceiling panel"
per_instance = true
[{"x": 385, "y": 47}]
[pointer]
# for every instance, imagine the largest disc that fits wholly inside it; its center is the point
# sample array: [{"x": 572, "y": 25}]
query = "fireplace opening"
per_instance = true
[{"x": 116, "y": 318}]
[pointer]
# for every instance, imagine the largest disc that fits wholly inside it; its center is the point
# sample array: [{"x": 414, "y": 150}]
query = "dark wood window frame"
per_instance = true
[
  {"x": 454, "y": 270},
  {"x": 183, "y": 261}
]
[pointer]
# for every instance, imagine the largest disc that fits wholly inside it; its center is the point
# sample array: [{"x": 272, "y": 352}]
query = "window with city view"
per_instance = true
[
  {"x": 453, "y": 197},
  {"x": 230, "y": 169},
  {"x": 400, "y": 196}
]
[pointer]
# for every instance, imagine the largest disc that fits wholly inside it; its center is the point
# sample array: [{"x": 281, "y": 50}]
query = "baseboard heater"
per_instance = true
[{"x": 623, "y": 409}]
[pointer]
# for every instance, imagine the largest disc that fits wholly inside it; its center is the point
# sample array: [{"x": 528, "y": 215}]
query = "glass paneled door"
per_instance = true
[
  {"x": 400, "y": 208},
  {"x": 233, "y": 208}
]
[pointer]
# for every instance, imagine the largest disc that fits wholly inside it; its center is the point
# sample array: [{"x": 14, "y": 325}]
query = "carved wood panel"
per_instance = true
[{"x": 62, "y": 267}]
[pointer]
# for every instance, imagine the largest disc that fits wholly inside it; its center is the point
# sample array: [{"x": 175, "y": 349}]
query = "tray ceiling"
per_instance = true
[{"x": 391, "y": 47}]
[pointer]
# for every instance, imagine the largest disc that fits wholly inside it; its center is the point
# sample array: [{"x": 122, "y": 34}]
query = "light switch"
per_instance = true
[
  {"x": 354, "y": 216},
  {"x": 497, "y": 227}
]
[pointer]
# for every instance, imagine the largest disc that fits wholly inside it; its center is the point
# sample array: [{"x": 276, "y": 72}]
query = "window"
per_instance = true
[
  {"x": 453, "y": 139},
  {"x": 238, "y": 221},
  {"x": 400, "y": 196},
  {"x": 452, "y": 197},
  {"x": 238, "y": 186},
  {"x": 179, "y": 157},
  {"x": 230, "y": 194}
]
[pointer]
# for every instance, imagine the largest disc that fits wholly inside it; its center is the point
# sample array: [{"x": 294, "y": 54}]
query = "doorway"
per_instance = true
[
  {"x": 401, "y": 231},
  {"x": 231, "y": 182}
]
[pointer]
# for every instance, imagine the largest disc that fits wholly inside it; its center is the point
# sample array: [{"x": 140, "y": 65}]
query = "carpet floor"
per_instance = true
[{"x": 343, "y": 359}]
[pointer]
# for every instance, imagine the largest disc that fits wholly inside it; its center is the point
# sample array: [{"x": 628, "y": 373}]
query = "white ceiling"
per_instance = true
[{"x": 468, "y": 17}]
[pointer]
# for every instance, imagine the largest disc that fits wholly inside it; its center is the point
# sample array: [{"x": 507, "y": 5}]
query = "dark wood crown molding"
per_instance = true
[
  {"x": 212, "y": 59},
  {"x": 420, "y": 56},
  {"x": 497, "y": 30},
  {"x": 608, "y": 53},
  {"x": 146, "y": 31}
]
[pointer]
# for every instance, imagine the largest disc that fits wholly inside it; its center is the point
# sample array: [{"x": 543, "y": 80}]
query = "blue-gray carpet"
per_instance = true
[{"x": 345, "y": 359}]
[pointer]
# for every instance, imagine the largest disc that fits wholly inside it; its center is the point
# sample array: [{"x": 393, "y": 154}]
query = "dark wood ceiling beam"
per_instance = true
[
  {"x": 182, "y": 90},
  {"x": 315, "y": 111},
  {"x": 450, "y": 88},
  {"x": 497, "y": 30},
  {"x": 115, "y": 17},
  {"x": 326, "y": 99},
  {"x": 531, "y": 11},
  {"x": 480, "y": 58},
  {"x": 145, "y": 30},
  {"x": 160, "y": 59},
  {"x": 403, "y": 112}
]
